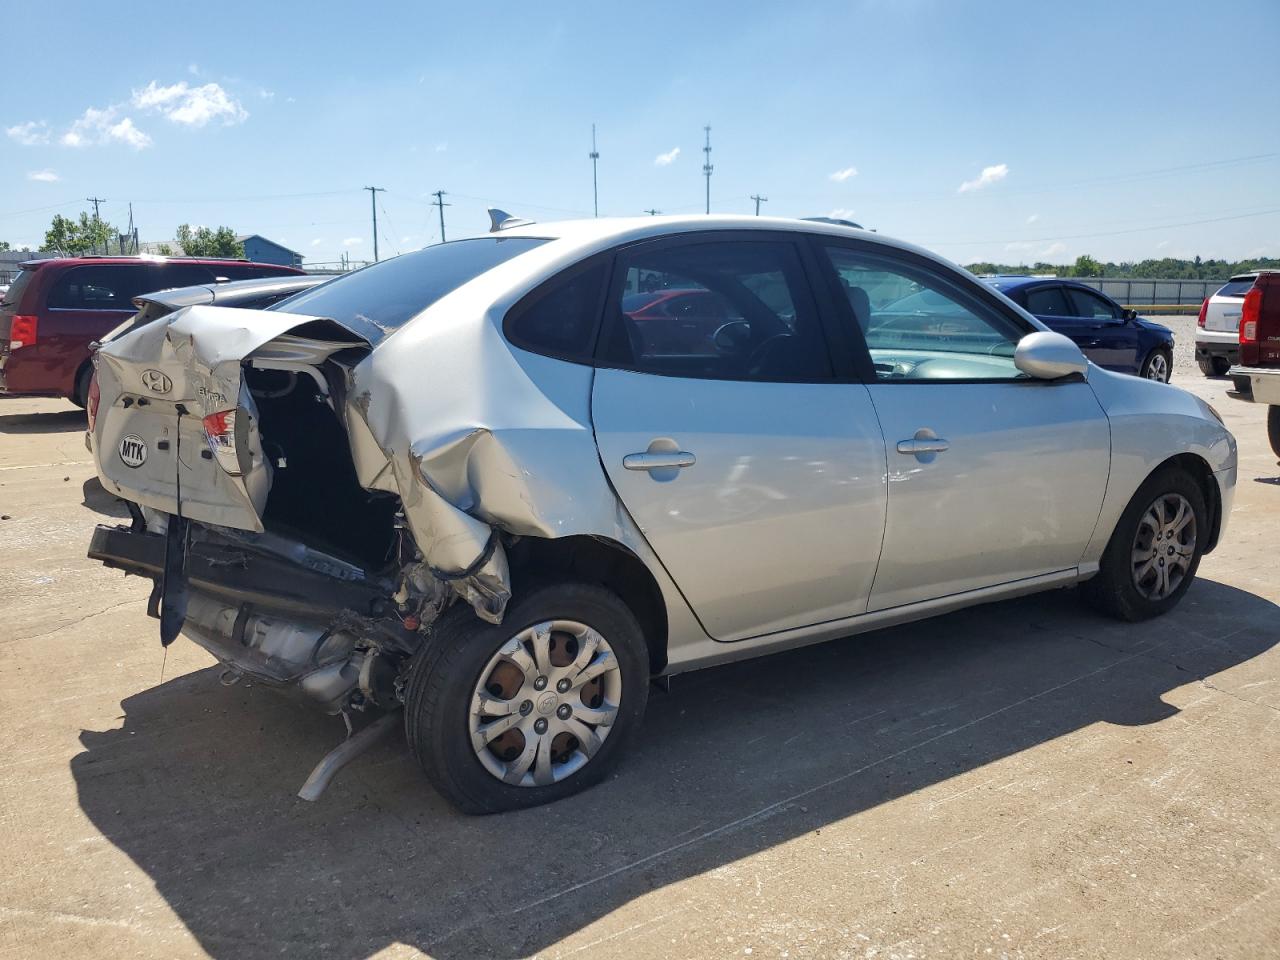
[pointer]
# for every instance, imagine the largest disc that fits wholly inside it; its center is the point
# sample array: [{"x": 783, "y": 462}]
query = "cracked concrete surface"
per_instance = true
[{"x": 1020, "y": 780}]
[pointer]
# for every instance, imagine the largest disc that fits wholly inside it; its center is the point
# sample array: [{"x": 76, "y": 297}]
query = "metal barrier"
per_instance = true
[{"x": 1138, "y": 292}]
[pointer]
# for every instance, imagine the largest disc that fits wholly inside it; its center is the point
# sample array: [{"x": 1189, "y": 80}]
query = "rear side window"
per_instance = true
[
  {"x": 1235, "y": 288},
  {"x": 719, "y": 310},
  {"x": 1048, "y": 302},
  {"x": 101, "y": 287},
  {"x": 182, "y": 275},
  {"x": 13, "y": 296},
  {"x": 559, "y": 319},
  {"x": 385, "y": 296}
]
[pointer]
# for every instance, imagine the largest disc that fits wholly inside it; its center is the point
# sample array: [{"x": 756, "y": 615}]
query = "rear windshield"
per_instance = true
[
  {"x": 382, "y": 298},
  {"x": 1236, "y": 288},
  {"x": 14, "y": 293}
]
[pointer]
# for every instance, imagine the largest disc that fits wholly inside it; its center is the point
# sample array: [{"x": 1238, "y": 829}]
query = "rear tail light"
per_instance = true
[
  {"x": 22, "y": 331},
  {"x": 220, "y": 434},
  {"x": 92, "y": 400},
  {"x": 1204, "y": 309},
  {"x": 1249, "y": 315}
]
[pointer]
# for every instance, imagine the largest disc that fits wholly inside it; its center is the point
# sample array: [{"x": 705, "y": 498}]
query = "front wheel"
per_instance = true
[
  {"x": 535, "y": 709},
  {"x": 1154, "y": 551},
  {"x": 1158, "y": 366}
]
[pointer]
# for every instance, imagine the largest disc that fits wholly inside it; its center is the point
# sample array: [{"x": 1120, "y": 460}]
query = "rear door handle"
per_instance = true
[
  {"x": 677, "y": 460},
  {"x": 917, "y": 447}
]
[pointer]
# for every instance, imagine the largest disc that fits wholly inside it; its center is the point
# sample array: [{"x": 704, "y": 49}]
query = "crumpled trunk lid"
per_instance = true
[{"x": 158, "y": 383}]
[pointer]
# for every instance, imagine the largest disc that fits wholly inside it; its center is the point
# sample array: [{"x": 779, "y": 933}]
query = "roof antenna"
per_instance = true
[{"x": 501, "y": 220}]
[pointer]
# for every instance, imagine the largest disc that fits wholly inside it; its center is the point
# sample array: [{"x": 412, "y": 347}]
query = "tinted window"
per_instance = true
[
  {"x": 921, "y": 326},
  {"x": 724, "y": 310},
  {"x": 182, "y": 275},
  {"x": 1088, "y": 304},
  {"x": 100, "y": 287},
  {"x": 1048, "y": 302},
  {"x": 387, "y": 295},
  {"x": 1236, "y": 288},
  {"x": 248, "y": 271},
  {"x": 13, "y": 296},
  {"x": 559, "y": 319}
]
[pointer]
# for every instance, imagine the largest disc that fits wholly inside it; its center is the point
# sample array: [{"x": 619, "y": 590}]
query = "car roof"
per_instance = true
[
  {"x": 145, "y": 258},
  {"x": 1006, "y": 282}
]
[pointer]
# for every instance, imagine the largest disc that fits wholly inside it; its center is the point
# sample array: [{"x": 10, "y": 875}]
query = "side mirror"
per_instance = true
[
  {"x": 1049, "y": 356},
  {"x": 1128, "y": 315}
]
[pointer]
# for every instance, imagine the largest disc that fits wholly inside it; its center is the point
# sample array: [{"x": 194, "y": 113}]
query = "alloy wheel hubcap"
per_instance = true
[
  {"x": 1164, "y": 546},
  {"x": 544, "y": 703},
  {"x": 1158, "y": 368}
]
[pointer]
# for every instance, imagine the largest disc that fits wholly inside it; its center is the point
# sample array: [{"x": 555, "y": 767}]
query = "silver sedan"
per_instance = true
[{"x": 501, "y": 483}]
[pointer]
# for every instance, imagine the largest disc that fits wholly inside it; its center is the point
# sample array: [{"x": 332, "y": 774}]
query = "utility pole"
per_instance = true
[
  {"x": 595, "y": 188},
  {"x": 653, "y": 211},
  {"x": 439, "y": 202},
  {"x": 707, "y": 167},
  {"x": 95, "y": 201},
  {"x": 373, "y": 204},
  {"x": 759, "y": 200},
  {"x": 97, "y": 222}
]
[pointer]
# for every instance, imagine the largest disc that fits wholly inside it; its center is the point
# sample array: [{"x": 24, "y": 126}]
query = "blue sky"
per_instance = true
[{"x": 1122, "y": 130}]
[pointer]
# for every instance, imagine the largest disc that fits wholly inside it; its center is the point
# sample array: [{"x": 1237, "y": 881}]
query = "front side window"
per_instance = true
[
  {"x": 1088, "y": 304},
  {"x": 920, "y": 326},
  {"x": 100, "y": 287},
  {"x": 1048, "y": 302},
  {"x": 722, "y": 310}
]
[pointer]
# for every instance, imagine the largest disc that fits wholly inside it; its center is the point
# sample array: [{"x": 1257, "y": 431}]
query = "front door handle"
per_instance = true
[
  {"x": 677, "y": 459},
  {"x": 924, "y": 446},
  {"x": 663, "y": 461}
]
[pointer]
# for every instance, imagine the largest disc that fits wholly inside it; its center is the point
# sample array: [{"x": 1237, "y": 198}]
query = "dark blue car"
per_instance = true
[{"x": 1110, "y": 335}]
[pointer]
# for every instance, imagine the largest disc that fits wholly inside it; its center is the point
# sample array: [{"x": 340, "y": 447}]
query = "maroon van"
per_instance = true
[{"x": 55, "y": 308}]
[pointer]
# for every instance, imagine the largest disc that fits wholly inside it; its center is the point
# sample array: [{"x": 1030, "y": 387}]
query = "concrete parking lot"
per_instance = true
[{"x": 1019, "y": 780}]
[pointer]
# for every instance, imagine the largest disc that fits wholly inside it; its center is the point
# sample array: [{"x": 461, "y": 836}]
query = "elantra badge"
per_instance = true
[
  {"x": 156, "y": 382},
  {"x": 133, "y": 451}
]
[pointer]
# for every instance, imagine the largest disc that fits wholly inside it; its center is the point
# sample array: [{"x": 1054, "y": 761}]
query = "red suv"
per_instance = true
[{"x": 55, "y": 308}]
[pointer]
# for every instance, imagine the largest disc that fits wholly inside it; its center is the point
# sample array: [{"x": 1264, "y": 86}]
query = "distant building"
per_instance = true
[{"x": 261, "y": 250}]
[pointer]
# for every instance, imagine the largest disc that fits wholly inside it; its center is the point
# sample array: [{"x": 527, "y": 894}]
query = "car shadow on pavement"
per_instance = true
[
  {"x": 96, "y": 498},
  {"x": 59, "y": 421},
  {"x": 198, "y": 785}
]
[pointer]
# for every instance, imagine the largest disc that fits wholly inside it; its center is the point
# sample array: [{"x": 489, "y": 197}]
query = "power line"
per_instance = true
[
  {"x": 373, "y": 205},
  {"x": 707, "y": 167},
  {"x": 595, "y": 189},
  {"x": 1108, "y": 233},
  {"x": 759, "y": 200},
  {"x": 439, "y": 202}
]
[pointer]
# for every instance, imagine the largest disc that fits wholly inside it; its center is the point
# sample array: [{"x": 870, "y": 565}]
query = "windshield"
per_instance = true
[{"x": 379, "y": 299}]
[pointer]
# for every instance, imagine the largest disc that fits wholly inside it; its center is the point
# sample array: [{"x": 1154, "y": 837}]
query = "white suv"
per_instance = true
[{"x": 1218, "y": 327}]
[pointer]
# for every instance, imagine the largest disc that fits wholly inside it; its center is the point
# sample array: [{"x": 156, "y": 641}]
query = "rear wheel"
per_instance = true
[
  {"x": 80, "y": 393},
  {"x": 1273, "y": 428},
  {"x": 1154, "y": 551},
  {"x": 533, "y": 710},
  {"x": 1158, "y": 365}
]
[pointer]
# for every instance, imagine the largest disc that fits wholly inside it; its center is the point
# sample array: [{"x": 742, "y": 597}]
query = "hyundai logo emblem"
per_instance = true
[{"x": 156, "y": 382}]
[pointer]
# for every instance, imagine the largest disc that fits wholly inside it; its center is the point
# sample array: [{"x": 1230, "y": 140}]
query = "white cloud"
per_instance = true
[
  {"x": 29, "y": 134},
  {"x": 43, "y": 176},
  {"x": 265, "y": 94},
  {"x": 1033, "y": 218},
  {"x": 317, "y": 241},
  {"x": 193, "y": 69},
  {"x": 840, "y": 176},
  {"x": 408, "y": 240},
  {"x": 841, "y": 213},
  {"x": 1018, "y": 245},
  {"x": 1053, "y": 250},
  {"x": 442, "y": 146},
  {"x": 668, "y": 158},
  {"x": 353, "y": 241},
  {"x": 988, "y": 176},
  {"x": 1162, "y": 244},
  {"x": 191, "y": 106},
  {"x": 101, "y": 126}
]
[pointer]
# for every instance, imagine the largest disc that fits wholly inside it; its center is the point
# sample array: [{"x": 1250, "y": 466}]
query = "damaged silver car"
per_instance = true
[{"x": 502, "y": 483}]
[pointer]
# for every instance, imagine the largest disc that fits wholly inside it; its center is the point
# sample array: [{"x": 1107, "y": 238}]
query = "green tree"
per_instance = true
[
  {"x": 164, "y": 250},
  {"x": 1086, "y": 266},
  {"x": 203, "y": 242},
  {"x": 78, "y": 236},
  {"x": 4, "y": 246}
]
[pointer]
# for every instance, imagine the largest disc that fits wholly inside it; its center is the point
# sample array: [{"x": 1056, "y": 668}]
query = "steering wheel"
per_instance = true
[{"x": 756, "y": 357}]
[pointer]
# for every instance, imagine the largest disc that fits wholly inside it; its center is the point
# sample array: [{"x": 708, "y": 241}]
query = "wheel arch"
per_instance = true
[
  {"x": 607, "y": 563},
  {"x": 1200, "y": 470}
]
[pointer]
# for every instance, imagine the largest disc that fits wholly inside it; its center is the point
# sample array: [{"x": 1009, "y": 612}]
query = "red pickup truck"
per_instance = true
[
  {"x": 1257, "y": 376},
  {"x": 55, "y": 308}
]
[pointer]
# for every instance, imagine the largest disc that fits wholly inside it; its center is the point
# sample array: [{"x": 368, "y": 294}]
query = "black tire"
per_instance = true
[
  {"x": 80, "y": 394},
  {"x": 1145, "y": 371},
  {"x": 443, "y": 677},
  {"x": 1207, "y": 366},
  {"x": 1220, "y": 366},
  {"x": 1273, "y": 428},
  {"x": 1113, "y": 590}
]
